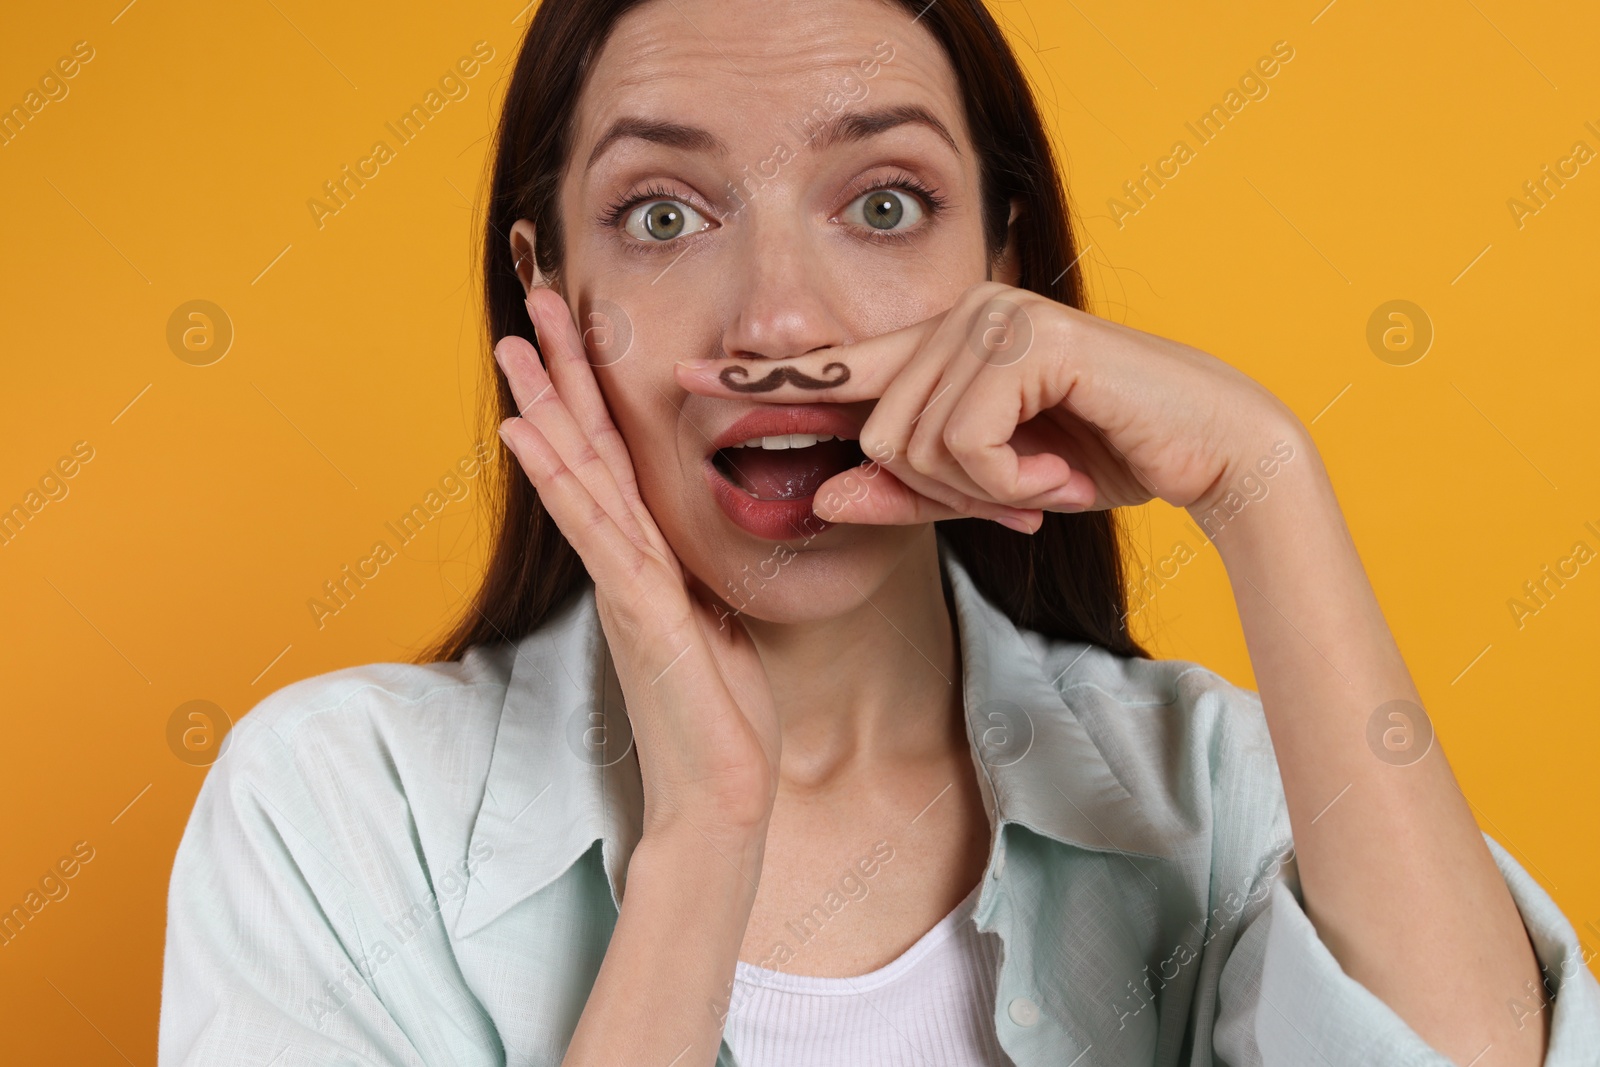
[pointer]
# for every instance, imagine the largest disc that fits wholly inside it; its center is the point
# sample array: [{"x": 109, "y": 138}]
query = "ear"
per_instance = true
[
  {"x": 522, "y": 257},
  {"x": 1005, "y": 268}
]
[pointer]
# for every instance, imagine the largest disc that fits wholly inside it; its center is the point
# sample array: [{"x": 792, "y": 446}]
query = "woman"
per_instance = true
[{"x": 806, "y": 609}]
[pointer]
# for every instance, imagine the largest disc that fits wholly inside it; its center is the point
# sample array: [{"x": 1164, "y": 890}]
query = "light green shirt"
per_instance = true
[{"x": 407, "y": 865}]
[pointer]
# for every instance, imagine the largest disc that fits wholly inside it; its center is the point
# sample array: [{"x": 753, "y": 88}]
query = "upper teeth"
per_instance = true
[{"x": 785, "y": 440}]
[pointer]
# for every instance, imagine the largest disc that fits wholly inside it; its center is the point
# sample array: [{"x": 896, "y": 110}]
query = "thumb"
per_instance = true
[{"x": 871, "y": 496}]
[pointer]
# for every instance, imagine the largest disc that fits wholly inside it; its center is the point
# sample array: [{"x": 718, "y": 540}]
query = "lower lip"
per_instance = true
[{"x": 773, "y": 520}]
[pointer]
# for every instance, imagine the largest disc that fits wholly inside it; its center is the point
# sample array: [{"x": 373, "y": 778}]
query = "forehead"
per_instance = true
[{"x": 749, "y": 69}]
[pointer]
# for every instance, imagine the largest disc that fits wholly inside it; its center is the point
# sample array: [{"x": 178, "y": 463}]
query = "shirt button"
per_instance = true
[{"x": 1023, "y": 1011}]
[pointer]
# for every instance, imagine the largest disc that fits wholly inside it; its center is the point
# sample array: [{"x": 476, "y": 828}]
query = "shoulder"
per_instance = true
[
  {"x": 404, "y": 745},
  {"x": 378, "y": 750},
  {"x": 375, "y": 711},
  {"x": 340, "y": 698},
  {"x": 361, "y": 786},
  {"x": 1192, "y": 746},
  {"x": 1153, "y": 703}
]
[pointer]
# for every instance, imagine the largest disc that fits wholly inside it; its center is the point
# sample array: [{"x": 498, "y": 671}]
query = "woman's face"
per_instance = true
[{"x": 759, "y": 180}]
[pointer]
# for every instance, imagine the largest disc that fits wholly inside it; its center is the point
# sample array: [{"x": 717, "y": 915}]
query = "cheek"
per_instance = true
[{"x": 639, "y": 394}]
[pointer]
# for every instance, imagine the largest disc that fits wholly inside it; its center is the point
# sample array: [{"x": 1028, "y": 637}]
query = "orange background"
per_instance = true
[{"x": 219, "y": 498}]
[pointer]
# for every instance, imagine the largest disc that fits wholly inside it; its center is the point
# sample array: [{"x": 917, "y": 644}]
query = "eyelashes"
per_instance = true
[
  {"x": 613, "y": 214},
  {"x": 931, "y": 201}
]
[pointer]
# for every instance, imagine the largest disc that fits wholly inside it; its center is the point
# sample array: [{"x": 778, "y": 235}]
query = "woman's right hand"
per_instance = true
[{"x": 697, "y": 694}]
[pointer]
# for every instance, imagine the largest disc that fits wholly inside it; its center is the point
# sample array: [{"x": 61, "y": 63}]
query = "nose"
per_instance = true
[{"x": 784, "y": 299}]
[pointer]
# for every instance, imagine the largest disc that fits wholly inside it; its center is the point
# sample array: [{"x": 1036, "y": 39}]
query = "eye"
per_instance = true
[
  {"x": 660, "y": 221},
  {"x": 885, "y": 210}
]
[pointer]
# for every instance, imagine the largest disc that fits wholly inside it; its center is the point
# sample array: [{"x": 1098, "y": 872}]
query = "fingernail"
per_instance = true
[
  {"x": 504, "y": 436},
  {"x": 1014, "y": 523},
  {"x": 694, "y": 364}
]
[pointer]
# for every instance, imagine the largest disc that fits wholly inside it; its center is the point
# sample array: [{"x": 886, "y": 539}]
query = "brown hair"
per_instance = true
[{"x": 1065, "y": 581}]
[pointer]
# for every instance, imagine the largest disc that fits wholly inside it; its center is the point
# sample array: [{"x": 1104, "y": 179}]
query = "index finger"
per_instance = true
[
  {"x": 566, "y": 360},
  {"x": 860, "y": 370}
]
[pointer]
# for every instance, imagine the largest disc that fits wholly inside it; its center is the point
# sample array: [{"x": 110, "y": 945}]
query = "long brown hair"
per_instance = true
[{"x": 1065, "y": 581}]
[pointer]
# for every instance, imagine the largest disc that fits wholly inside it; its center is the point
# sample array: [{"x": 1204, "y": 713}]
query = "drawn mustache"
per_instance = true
[{"x": 735, "y": 378}]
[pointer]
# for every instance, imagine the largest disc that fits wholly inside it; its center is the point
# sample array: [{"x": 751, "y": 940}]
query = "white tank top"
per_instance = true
[{"x": 934, "y": 1004}]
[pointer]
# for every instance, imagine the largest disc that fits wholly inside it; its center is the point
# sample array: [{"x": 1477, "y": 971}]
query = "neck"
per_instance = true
[{"x": 879, "y": 684}]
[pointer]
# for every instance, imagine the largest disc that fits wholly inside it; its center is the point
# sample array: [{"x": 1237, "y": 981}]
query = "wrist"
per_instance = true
[
  {"x": 1278, "y": 459},
  {"x": 674, "y": 844},
  {"x": 732, "y": 815}
]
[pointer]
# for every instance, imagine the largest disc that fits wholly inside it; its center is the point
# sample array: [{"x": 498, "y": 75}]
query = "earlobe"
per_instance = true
[{"x": 523, "y": 260}]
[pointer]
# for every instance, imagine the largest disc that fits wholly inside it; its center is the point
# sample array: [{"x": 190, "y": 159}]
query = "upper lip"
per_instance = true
[{"x": 770, "y": 420}]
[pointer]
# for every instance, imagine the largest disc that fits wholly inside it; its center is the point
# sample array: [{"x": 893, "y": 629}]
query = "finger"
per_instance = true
[
  {"x": 611, "y": 557},
  {"x": 520, "y": 364},
  {"x": 977, "y": 435},
  {"x": 540, "y": 404},
  {"x": 869, "y": 495},
  {"x": 915, "y": 435},
  {"x": 884, "y": 501},
  {"x": 963, "y": 504},
  {"x": 908, "y": 421},
  {"x": 1041, "y": 435},
  {"x": 916, "y": 481},
  {"x": 567, "y": 363},
  {"x": 861, "y": 370}
]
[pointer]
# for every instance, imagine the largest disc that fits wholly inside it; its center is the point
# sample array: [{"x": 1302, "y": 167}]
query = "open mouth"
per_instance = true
[
  {"x": 786, "y": 467},
  {"x": 765, "y": 468}
]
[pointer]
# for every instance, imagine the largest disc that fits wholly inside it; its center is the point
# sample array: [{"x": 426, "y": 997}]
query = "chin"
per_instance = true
[{"x": 800, "y": 580}]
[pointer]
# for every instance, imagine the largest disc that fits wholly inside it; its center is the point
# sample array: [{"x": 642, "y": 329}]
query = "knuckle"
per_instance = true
[
  {"x": 543, "y": 396},
  {"x": 923, "y": 453},
  {"x": 1065, "y": 325},
  {"x": 881, "y": 449},
  {"x": 546, "y": 470},
  {"x": 556, "y": 468},
  {"x": 960, "y": 439},
  {"x": 594, "y": 520},
  {"x": 588, "y": 459}
]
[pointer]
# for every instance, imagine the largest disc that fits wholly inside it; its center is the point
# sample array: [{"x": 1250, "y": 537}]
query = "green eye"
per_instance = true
[
  {"x": 663, "y": 220},
  {"x": 885, "y": 209}
]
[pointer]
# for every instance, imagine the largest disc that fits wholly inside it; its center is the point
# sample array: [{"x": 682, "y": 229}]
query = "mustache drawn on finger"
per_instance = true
[{"x": 735, "y": 378}]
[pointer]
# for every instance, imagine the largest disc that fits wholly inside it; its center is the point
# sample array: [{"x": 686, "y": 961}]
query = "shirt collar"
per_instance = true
[{"x": 564, "y": 774}]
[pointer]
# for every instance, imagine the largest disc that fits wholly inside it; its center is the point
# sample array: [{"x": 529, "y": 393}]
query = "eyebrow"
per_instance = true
[
  {"x": 860, "y": 125},
  {"x": 848, "y": 127},
  {"x": 671, "y": 134}
]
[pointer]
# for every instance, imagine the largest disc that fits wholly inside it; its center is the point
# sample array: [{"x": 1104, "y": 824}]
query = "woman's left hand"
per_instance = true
[{"x": 1013, "y": 398}]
